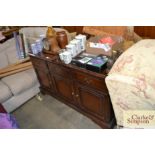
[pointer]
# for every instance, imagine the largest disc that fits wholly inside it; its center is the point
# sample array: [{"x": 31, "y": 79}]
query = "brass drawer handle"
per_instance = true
[{"x": 72, "y": 93}]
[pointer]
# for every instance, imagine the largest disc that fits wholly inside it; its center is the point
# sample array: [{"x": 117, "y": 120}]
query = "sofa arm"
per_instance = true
[{"x": 131, "y": 82}]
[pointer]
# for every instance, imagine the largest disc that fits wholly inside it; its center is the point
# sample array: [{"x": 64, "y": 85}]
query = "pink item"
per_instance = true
[
  {"x": 7, "y": 121},
  {"x": 107, "y": 40}
]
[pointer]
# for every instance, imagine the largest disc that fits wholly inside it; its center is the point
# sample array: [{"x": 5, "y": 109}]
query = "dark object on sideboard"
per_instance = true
[{"x": 62, "y": 39}]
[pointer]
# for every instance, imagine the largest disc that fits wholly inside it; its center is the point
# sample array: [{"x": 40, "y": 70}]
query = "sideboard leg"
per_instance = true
[{"x": 38, "y": 97}]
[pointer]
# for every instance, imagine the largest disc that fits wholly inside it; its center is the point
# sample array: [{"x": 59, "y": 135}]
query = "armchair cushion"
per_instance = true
[
  {"x": 3, "y": 60},
  {"x": 131, "y": 81},
  {"x": 5, "y": 92},
  {"x": 21, "y": 81}
]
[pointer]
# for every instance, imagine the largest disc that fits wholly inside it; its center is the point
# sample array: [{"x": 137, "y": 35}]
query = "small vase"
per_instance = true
[{"x": 62, "y": 39}]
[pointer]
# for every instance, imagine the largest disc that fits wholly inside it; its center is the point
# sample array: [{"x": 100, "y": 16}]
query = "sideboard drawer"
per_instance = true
[
  {"x": 97, "y": 83},
  {"x": 60, "y": 70}
]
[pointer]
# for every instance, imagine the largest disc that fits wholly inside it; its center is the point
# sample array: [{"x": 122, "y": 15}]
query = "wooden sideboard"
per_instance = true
[{"x": 83, "y": 90}]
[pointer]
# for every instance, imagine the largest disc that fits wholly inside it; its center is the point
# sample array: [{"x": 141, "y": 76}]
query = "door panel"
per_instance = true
[
  {"x": 43, "y": 78},
  {"x": 64, "y": 87},
  {"x": 90, "y": 101},
  {"x": 42, "y": 72}
]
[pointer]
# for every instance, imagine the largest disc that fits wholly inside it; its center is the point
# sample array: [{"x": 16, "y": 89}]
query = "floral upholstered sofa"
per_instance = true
[{"x": 131, "y": 81}]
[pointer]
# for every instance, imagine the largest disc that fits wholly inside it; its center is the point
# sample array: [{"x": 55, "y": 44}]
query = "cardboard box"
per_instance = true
[{"x": 97, "y": 51}]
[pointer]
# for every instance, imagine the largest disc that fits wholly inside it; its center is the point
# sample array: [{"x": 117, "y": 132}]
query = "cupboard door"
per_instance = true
[
  {"x": 42, "y": 72},
  {"x": 44, "y": 79},
  {"x": 91, "y": 101},
  {"x": 64, "y": 87}
]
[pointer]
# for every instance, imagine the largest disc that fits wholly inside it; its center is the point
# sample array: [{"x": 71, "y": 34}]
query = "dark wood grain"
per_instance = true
[
  {"x": 145, "y": 31},
  {"x": 83, "y": 90},
  {"x": 78, "y": 29}
]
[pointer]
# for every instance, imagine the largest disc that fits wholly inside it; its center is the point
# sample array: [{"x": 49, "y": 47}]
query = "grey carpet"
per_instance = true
[{"x": 50, "y": 114}]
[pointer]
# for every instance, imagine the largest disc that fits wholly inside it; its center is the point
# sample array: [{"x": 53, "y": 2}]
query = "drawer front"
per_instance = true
[
  {"x": 59, "y": 70},
  {"x": 40, "y": 64},
  {"x": 97, "y": 83}
]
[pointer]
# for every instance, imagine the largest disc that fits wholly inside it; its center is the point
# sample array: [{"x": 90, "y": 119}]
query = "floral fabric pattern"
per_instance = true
[{"x": 131, "y": 81}]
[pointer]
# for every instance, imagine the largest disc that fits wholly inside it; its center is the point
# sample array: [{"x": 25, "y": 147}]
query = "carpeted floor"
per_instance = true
[{"x": 51, "y": 114}]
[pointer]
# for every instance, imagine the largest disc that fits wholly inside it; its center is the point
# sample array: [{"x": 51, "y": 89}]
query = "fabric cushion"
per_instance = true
[
  {"x": 8, "y": 53},
  {"x": 21, "y": 81},
  {"x": 6, "y": 44},
  {"x": 31, "y": 73},
  {"x": 11, "y": 54},
  {"x": 3, "y": 60},
  {"x": 5, "y": 92},
  {"x": 11, "y": 51},
  {"x": 131, "y": 81}
]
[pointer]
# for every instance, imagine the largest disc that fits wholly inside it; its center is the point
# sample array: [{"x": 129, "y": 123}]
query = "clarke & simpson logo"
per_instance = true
[{"x": 139, "y": 119}]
